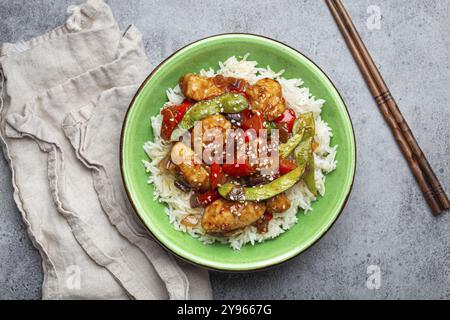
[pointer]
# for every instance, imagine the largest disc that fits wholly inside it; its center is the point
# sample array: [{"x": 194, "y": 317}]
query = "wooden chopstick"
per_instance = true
[
  {"x": 427, "y": 180},
  {"x": 385, "y": 96}
]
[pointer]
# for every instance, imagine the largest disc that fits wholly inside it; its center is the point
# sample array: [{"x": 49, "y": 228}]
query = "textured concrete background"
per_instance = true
[{"x": 386, "y": 222}]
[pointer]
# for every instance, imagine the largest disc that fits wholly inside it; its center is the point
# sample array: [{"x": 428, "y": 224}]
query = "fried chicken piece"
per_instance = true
[
  {"x": 195, "y": 175},
  {"x": 230, "y": 84},
  {"x": 215, "y": 128},
  {"x": 213, "y": 136},
  {"x": 199, "y": 88},
  {"x": 217, "y": 121},
  {"x": 278, "y": 204},
  {"x": 266, "y": 97},
  {"x": 223, "y": 216}
]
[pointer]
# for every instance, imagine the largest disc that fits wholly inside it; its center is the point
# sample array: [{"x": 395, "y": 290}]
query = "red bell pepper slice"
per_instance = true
[
  {"x": 238, "y": 170},
  {"x": 206, "y": 198},
  {"x": 254, "y": 121},
  {"x": 287, "y": 119},
  {"x": 216, "y": 175},
  {"x": 172, "y": 117},
  {"x": 286, "y": 166},
  {"x": 249, "y": 135}
]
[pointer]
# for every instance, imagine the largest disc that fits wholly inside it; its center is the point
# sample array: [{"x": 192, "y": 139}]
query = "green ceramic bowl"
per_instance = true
[{"x": 148, "y": 101}]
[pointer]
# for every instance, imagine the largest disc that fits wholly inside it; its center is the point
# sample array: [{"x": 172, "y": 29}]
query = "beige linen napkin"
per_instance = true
[{"x": 64, "y": 100}]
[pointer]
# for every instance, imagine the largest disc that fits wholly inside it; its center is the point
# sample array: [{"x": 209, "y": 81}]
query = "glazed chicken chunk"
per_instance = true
[
  {"x": 266, "y": 97},
  {"x": 195, "y": 175},
  {"x": 215, "y": 128},
  {"x": 199, "y": 88},
  {"x": 223, "y": 216},
  {"x": 278, "y": 204},
  {"x": 217, "y": 121}
]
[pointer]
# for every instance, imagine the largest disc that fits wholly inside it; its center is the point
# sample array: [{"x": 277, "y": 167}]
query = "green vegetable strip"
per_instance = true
[
  {"x": 225, "y": 103},
  {"x": 267, "y": 191},
  {"x": 310, "y": 179},
  {"x": 298, "y": 125},
  {"x": 305, "y": 121},
  {"x": 287, "y": 148},
  {"x": 304, "y": 154}
]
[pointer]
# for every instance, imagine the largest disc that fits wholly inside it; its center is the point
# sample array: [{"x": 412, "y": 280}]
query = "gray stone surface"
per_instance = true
[{"x": 386, "y": 222}]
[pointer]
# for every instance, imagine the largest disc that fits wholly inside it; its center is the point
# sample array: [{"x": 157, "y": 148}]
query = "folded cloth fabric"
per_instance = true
[{"x": 64, "y": 98}]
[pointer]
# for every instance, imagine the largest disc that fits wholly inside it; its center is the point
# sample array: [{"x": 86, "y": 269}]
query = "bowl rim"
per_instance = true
[{"x": 130, "y": 198}]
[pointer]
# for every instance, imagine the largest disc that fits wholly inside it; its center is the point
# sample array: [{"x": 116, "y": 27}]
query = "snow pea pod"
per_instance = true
[
  {"x": 305, "y": 121},
  {"x": 225, "y": 103},
  {"x": 287, "y": 148},
  {"x": 310, "y": 177},
  {"x": 235, "y": 192},
  {"x": 304, "y": 157},
  {"x": 304, "y": 128},
  {"x": 303, "y": 152}
]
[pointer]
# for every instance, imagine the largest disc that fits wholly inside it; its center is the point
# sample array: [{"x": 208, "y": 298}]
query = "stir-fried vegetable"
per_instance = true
[
  {"x": 287, "y": 119},
  {"x": 287, "y": 166},
  {"x": 304, "y": 157},
  {"x": 302, "y": 142},
  {"x": 305, "y": 121},
  {"x": 287, "y": 148},
  {"x": 310, "y": 131},
  {"x": 204, "y": 199},
  {"x": 303, "y": 152},
  {"x": 216, "y": 175},
  {"x": 238, "y": 170},
  {"x": 171, "y": 117},
  {"x": 298, "y": 125},
  {"x": 255, "y": 121},
  {"x": 225, "y": 103},
  {"x": 238, "y": 193},
  {"x": 310, "y": 177}
]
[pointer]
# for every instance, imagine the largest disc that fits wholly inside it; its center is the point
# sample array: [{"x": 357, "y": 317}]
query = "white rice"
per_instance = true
[{"x": 300, "y": 100}]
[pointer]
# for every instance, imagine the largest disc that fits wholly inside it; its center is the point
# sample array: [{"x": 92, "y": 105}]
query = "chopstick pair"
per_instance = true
[{"x": 427, "y": 180}]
